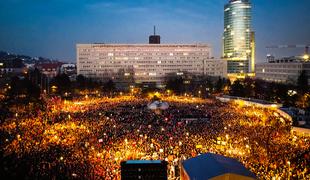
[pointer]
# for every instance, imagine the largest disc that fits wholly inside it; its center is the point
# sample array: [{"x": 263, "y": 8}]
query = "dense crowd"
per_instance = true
[{"x": 87, "y": 138}]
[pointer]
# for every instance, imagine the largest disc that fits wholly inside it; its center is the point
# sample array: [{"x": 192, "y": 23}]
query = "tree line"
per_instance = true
[{"x": 35, "y": 83}]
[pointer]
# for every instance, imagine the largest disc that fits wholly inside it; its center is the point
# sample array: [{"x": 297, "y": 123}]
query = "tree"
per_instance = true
[
  {"x": 303, "y": 101},
  {"x": 219, "y": 84},
  {"x": 175, "y": 84},
  {"x": 80, "y": 81},
  {"x": 260, "y": 89},
  {"x": 109, "y": 86},
  {"x": 23, "y": 88},
  {"x": 62, "y": 82},
  {"x": 209, "y": 85},
  {"x": 249, "y": 87},
  {"x": 302, "y": 82},
  {"x": 237, "y": 89}
]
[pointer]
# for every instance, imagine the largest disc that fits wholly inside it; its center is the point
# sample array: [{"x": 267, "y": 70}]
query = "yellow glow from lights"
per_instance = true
[{"x": 83, "y": 137}]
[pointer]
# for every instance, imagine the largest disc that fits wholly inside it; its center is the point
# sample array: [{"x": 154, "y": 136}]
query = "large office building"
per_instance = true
[
  {"x": 146, "y": 63},
  {"x": 285, "y": 70},
  {"x": 238, "y": 38}
]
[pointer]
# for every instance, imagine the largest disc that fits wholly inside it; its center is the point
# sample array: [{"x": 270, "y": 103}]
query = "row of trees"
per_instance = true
[
  {"x": 287, "y": 94},
  {"x": 298, "y": 95},
  {"x": 197, "y": 85}
]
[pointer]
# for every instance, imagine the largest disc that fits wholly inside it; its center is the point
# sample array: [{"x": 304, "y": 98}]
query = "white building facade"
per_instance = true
[
  {"x": 215, "y": 67},
  {"x": 282, "y": 71},
  {"x": 146, "y": 62}
]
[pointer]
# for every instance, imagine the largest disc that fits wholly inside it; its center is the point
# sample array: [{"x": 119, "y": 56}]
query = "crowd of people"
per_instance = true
[{"x": 87, "y": 138}]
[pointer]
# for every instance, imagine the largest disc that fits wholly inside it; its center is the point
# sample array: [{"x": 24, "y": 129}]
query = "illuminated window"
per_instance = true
[
  {"x": 152, "y": 74},
  {"x": 110, "y": 54},
  {"x": 171, "y": 54}
]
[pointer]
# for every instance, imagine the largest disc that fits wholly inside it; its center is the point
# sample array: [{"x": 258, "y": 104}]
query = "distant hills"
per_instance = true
[{"x": 26, "y": 59}]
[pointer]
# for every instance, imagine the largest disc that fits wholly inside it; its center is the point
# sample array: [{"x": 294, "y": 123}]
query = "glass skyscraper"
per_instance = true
[{"x": 238, "y": 38}]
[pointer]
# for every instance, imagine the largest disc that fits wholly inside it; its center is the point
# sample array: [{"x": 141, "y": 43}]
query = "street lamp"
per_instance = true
[{"x": 291, "y": 92}]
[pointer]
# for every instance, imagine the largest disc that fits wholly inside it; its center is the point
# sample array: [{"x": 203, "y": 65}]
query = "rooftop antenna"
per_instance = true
[{"x": 154, "y": 39}]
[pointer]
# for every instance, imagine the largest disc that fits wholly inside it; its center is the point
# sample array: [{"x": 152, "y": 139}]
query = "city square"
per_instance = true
[
  {"x": 154, "y": 90},
  {"x": 88, "y": 137}
]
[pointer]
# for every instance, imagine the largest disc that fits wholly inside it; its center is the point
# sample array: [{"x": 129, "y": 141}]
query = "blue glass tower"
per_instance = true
[{"x": 238, "y": 38}]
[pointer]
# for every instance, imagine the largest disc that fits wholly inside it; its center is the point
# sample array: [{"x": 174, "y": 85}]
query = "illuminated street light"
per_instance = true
[
  {"x": 291, "y": 92},
  {"x": 54, "y": 89}
]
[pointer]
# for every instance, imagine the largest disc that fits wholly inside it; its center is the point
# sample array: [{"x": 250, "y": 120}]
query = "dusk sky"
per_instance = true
[{"x": 51, "y": 28}]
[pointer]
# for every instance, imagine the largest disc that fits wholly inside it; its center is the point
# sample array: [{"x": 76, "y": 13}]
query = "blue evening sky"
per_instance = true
[{"x": 51, "y": 28}]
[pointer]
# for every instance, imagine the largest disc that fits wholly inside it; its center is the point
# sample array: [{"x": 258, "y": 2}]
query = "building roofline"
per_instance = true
[{"x": 158, "y": 45}]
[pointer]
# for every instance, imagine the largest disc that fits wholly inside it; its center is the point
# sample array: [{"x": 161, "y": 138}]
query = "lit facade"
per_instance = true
[
  {"x": 238, "y": 37},
  {"x": 146, "y": 62},
  {"x": 282, "y": 71},
  {"x": 50, "y": 69},
  {"x": 215, "y": 67}
]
